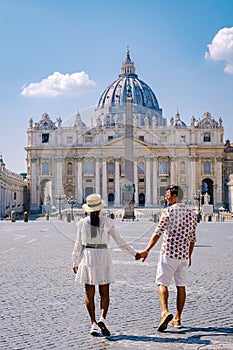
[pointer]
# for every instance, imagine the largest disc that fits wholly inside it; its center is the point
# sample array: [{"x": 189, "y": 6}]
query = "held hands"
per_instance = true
[
  {"x": 75, "y": 269},
  {"x": 143, "y": 255}
]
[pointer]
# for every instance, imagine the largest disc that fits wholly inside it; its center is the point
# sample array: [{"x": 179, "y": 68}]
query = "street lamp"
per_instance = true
[
  {"x": 59, "y": 197},
  {"x": 71, "y": 201},
  {"x": 198, "y": 196}
]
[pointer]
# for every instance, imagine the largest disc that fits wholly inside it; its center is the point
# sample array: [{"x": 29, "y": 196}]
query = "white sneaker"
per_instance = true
[
  {"x": 94, "y": 330},
  {"x": 103, "y": 326}
]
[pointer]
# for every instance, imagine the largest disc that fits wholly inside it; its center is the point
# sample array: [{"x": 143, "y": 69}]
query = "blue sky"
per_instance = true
[{"x": 57, "y": 56}]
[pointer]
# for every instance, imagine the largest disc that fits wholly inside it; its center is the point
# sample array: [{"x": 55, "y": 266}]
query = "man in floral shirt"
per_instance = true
[{"x": 178, "y": 226}]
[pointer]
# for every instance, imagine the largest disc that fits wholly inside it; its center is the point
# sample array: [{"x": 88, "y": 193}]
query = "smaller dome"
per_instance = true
[{"x": 177, "y": 122}]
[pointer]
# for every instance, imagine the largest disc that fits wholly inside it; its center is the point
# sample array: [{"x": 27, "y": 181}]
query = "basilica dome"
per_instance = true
[{"x": 113, "y": 100}]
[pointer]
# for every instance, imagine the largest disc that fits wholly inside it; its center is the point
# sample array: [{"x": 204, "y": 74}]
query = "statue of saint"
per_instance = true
[{"x": 206, "y": 198}]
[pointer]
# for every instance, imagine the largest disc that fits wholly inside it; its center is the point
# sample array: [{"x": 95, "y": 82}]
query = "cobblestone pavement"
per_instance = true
[{"x": 43, "y": 308}]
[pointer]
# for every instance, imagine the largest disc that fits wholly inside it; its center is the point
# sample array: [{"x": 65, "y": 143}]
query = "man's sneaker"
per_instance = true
[
  {"x": 175, "y": 323},
  {"x": 164, "y": 320},
  {"x": 94, "y": 330},
  {"x": 103, "y": 326}
]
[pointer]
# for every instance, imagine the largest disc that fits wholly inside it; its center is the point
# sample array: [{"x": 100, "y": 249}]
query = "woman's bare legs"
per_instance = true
[
  {"x": 90, "y": 301},
  {"x": 104, "y": 299}
]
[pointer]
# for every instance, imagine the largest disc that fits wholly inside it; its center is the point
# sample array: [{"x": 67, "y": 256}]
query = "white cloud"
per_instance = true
[
  {"x": 221, "y": 48},
  {"x": 59, "y": 84}
]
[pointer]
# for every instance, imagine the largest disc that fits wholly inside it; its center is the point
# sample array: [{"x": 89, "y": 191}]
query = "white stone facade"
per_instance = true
[
  {"x": 12, "y": 192},
  {"x": 77, "y": 160}
]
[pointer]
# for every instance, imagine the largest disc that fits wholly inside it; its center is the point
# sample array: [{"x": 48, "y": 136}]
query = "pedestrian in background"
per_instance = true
[
  {"x": 178, "y": 226},
  {"x": 92, "y": 259}
]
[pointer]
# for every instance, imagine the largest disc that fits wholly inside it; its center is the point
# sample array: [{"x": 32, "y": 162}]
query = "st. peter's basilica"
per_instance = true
[{"x": 76, "y": 160}]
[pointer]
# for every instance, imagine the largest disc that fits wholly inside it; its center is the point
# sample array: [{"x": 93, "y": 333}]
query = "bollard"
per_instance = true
[
  {"x": 47, "y": 216},
  {"x": 12, "y": 216},
  {"x": 25, "y": 216}
]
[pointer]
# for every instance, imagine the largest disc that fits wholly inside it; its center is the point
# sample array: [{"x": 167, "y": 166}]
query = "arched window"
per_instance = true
[
  {"x": 69, "y": 168},
  {"x": 141, "y": 168},
  {"x": 163, "y": 167},
  {"x": 45, "y": 168},
  {"x": 89, "y": 166},
  {"x": 207, "y": 167},
  {"x": 111, "y": 167},
  {"x": 207, "y": 137}
]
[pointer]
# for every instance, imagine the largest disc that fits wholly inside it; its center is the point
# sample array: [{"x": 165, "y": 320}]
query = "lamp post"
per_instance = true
[
  {"x": 71, "y": 201},
  {"x": 59, "y": 197},
  {"x": 198, "y": 196}
]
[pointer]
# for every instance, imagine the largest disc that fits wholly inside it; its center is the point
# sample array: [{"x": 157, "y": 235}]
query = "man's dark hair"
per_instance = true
[{"x": 177, "y": 190}]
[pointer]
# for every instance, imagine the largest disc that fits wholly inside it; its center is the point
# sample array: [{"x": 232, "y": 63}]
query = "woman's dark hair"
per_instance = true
[{"x": 95, "y": 223}]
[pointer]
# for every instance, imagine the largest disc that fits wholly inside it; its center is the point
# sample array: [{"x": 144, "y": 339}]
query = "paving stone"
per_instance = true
[{"x": 43, "y": 308}]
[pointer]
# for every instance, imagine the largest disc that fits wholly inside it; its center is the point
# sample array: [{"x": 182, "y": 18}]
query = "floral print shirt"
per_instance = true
[{"x": 178, "y": 226}]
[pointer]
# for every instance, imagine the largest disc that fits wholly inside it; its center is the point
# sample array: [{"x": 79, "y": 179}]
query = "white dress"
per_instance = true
[{"x": 95, "y": 265}]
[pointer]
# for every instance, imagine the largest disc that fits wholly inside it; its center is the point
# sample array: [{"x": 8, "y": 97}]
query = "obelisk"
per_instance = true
[{"x": 128, "y": 190}]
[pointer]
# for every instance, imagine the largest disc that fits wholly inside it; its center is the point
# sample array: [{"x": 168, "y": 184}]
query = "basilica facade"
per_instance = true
[{"x": 76, "y": 160}]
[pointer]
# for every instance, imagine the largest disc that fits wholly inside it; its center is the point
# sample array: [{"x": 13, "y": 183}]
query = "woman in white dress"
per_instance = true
[{"x": 92, "y": 259}]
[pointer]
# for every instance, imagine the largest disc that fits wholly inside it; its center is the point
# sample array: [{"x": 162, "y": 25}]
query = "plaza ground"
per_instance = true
[{"x": 43, "y": 308}]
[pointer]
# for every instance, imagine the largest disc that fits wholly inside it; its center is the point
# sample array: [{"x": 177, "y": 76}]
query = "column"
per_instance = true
[
  {"x": 148, "y": 182},
  {"x": 173, "y": 172},
  {"x": 155, "y": 182},
  {"x": 33, "y": 184},
  {"x": 117, "y": 183},
  {"x": 230, "y": 192},
  {"x": 218, "y": 164},
  {"x": 104, "y": 180},
  {"x": 80, "y": 181},
  {"x": 193, "y": 189},
  {"x": 58, "y": 174},
  {"x": 97, "y": 175}
]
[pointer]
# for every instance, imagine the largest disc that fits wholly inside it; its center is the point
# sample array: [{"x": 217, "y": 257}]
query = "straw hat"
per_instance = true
[{"x": 94, "y": 203}]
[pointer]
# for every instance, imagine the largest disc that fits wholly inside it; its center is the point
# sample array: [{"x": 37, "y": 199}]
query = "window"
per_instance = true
[
  {"x": 110, "y": 138},
  {"x": 69, "y": 169},
  {"x": 45, "y": 168},
  {"x": 45, "y": 138},
  {"x": 207, "y": 137},
  {"x": 88, "y": 139},
  {"x": 163, "y": 167},
  {"x": 141, "y": 168},
  {"x": 111, "y": 168},
  {"x": 141, "y": 138},
  {"x": 207, "y": 167},
  {"x": 107, "y": 121},
  {"x": 89, "y": 166}
]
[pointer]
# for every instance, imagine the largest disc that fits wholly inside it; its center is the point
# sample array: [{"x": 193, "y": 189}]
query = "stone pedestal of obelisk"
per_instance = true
[{"x": 128, "y": 190}]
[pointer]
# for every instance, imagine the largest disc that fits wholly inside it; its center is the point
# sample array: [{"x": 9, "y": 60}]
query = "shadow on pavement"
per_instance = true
[
  {"x": 223, "y": 331},
  {"x": 193, "y": 339},
  {"x": 134, "y": 338}
]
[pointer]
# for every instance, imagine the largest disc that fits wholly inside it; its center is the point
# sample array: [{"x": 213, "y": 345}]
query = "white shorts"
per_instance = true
[{"x": 169, "y": 268}]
